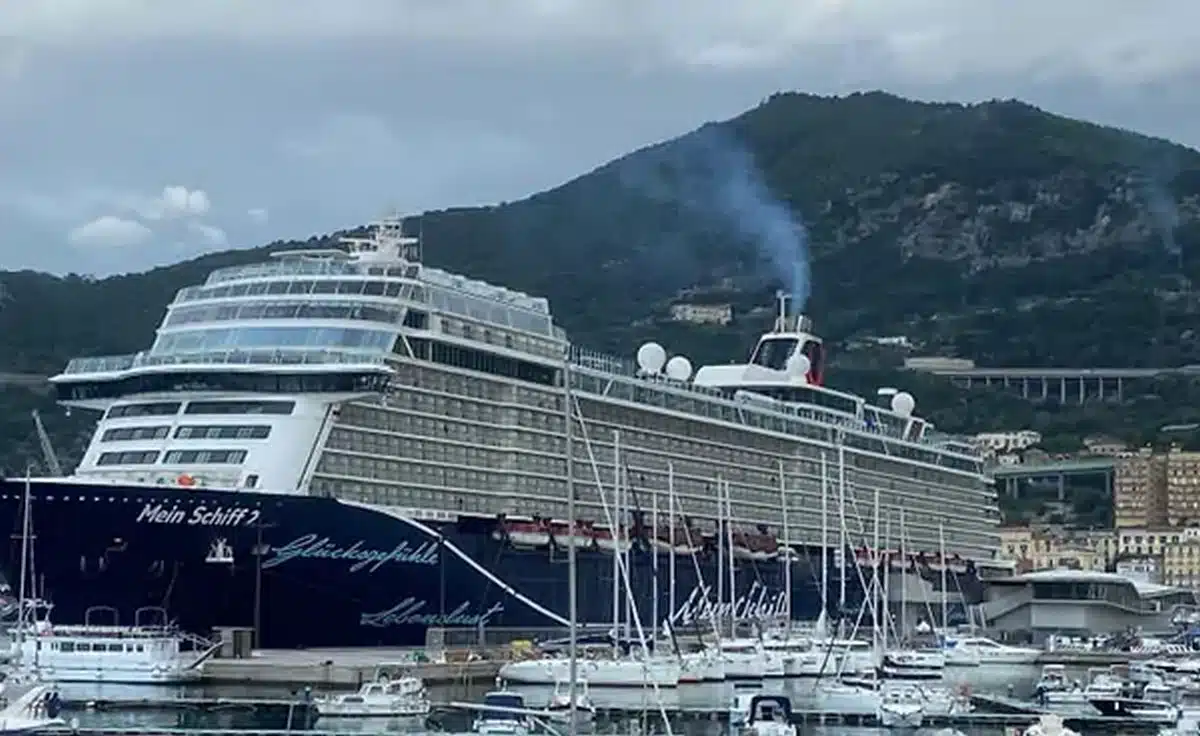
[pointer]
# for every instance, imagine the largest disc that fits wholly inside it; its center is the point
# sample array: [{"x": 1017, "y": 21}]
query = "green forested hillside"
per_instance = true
[{"x": 996, "y": 232}]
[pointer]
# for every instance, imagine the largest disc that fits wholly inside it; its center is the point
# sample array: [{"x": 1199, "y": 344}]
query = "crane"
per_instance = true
[{"x": 48, "y": 453}]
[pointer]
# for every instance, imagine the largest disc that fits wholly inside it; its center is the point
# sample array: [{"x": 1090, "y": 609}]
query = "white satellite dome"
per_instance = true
[
  {"x": 679, "y": 368},
  {"x": 903, "y": 403},
  {"x": 799, "y": 364},
  {"x": 650, "y": 358}
]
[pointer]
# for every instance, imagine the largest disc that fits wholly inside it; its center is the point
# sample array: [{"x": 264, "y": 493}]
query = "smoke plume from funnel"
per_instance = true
[
  {"x": 712, "y": 177},
  {"x": 1164, "y": 215}
]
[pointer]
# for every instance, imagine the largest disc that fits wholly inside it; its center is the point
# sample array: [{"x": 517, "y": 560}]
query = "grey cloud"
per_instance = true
[{"x": 326, "y": 120}]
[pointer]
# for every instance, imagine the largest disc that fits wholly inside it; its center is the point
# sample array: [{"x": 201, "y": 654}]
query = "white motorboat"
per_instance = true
[
  {"x": 909, "y": 664},
  {"x": 900, "y": 707},
  {"x": 769, "y": 715},
  {"x": 145, "y": 653},
  {"x": 705, "y": 665},
  {"x": 1053, "y": 679},
  {"x": 979, "y": 650},
  {"x": 402, "y": 697},
  {"x": 580, "y": 707},
  {"x": 503, "y": 714},
  {"x": 1050, "y": 724},
  {"x": 37, "y": 709},
  {"x": 748, "y": 659}
]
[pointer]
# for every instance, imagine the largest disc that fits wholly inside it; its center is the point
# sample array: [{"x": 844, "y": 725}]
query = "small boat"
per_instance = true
[
  {"x": 523, "y": 531},
  {"x": 1053, "y": 680},
  {"x": 35, "y": 710},
  {"x": 1050, "y": 724},
  {"x": 979, "y": 650},
  {"x": 403, "y": 697},
  {"x": 503, "y": 714},
  {"x": 154, "y": 652},
  {"x": 582, "y": 708},
  {"x": 908, "y": 664},
  {"x": 627, "y": 671},
  {"x": 604, "y": 539},
  {"x": 1147, "y": 710},
  {"x": 755, "y": 546},
  {"x": 900, "y": 707},
  {"x": 769, "y": 715}
]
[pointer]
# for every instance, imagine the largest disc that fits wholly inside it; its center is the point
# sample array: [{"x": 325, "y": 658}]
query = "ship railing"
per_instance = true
[
  {"x": 297, "y": 267},
  {"x": 620, "y": 378},
  {"x": 296, "y": 356}
]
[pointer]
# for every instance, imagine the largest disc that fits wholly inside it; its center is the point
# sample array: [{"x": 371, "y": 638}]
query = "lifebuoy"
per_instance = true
[{"x": 185, "y": 480}]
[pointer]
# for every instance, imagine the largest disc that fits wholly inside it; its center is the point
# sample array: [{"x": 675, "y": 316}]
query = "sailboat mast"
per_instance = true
[
  {"x": 875, "y": 581},
  {"x": 942, "y": 555},
  {"x": 729, "y": 551},
  {"x": 903, "y": 579},
  {"x": 671, "y": 521},
  {"x": 720, "y": 549},
  {"x": 887, "y": 578},
  {"x": 626, "y": 546},
  {"x": 616, "y": 539},
  {"x": 787, "y": 550},
  {"x": 572, "y": 530},
  {"x": 24, "y": 573},
  {"x": 842, "y": 512},
  {"x": 825, "y": 537},
  {"x": 654, "y": 559}
]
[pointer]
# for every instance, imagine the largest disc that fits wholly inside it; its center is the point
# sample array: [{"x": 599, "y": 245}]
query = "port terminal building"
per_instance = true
[{"x": 1046, "y": 603}]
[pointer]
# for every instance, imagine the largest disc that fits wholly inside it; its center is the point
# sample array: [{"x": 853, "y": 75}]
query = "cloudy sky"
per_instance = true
[{"x": 140, "y": 132}]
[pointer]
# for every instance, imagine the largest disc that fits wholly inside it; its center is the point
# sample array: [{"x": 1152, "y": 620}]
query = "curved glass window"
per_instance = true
[
  {"x": 229, "y": 338},
  {"x": 291, "y": 309},
  {"x": 368, "y": 287}
]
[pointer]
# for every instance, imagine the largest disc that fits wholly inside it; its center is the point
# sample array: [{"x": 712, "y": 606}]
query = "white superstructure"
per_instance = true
[{"x": 362, "y": 374}]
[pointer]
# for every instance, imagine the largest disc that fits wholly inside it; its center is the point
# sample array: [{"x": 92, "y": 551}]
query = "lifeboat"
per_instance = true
[
  {"x": 686, "y": 542},
  {"x": 602, "y": 534},
  {"x": 524, "y": 531},
  {"x": 560, "y": 533},
  {"x": 755, "y": 546}
]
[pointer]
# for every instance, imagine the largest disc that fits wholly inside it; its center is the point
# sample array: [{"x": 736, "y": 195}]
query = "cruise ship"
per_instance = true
[{"x": 345, "y": 447}]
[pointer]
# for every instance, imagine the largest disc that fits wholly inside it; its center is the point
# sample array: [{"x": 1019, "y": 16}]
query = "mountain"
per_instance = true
[{"x": 995, "y": 231}]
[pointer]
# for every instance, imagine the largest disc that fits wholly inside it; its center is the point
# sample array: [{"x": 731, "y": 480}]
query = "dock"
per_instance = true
[
  {"x": 341, "y": 668},
  {"x": 1094, "y": 657}
]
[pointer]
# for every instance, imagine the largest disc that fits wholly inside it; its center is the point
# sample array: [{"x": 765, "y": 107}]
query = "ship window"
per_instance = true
[
  {"x": 252, "y": 480},
  {"x": 223, "y": 432},
  {"x": 479, "y": 360},
  {"x": 135, "y": 433},
  {"x": 278, "y": 287},
  {"x": 160, "y": 408},
  {"x": 325, "y": 287},
  {"x": 240, "y": 407},
  {"x": 355, "y": 382},
  {"x": 373, "y": 288},
  {"x": 205, "y": 457},
  {"x": 66, "y": 646},
  {"x": 416, "y": 319},
  {"x": 774, "y": 353},
  {"x": 131, "y": 457}
]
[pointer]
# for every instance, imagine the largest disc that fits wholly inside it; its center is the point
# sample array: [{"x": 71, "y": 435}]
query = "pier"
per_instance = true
[
  {"x": 296, "y": 715},
  {"x": 343, "y": 668}
]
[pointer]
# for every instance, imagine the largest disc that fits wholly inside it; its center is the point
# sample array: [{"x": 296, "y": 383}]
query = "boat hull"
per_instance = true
[{"x": 362, "y": 575}]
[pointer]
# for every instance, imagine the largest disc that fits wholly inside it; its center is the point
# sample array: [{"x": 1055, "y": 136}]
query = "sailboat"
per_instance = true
[{"x": 36, "y": 704}]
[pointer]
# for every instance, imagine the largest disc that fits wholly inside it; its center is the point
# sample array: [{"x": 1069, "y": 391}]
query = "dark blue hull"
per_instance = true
[{"x": 333, "y": 573}]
